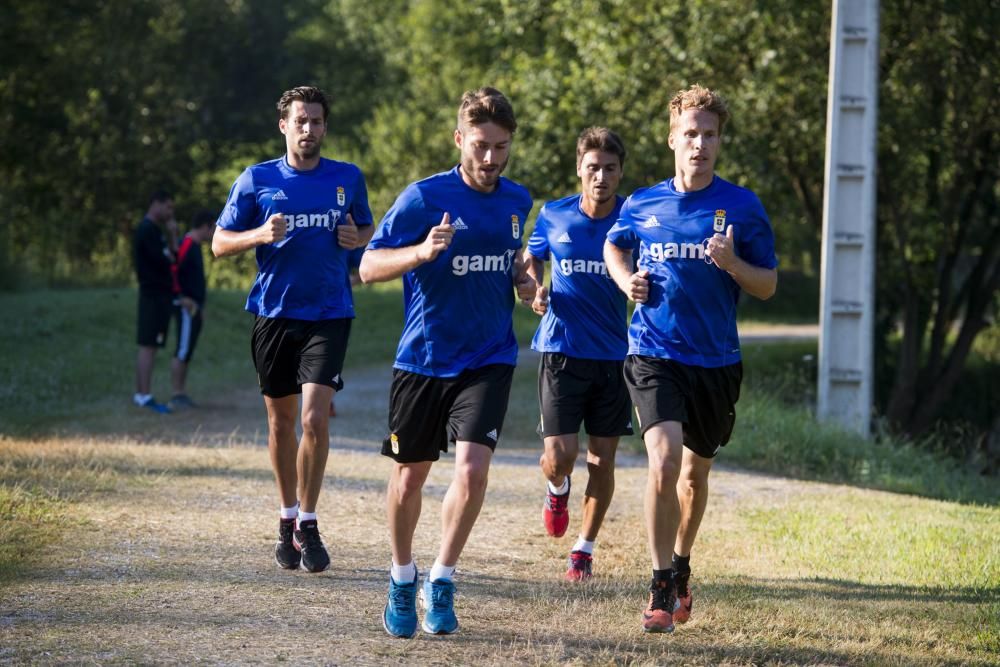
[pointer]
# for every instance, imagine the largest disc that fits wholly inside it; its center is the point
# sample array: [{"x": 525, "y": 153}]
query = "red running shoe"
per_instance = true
[
  {"x": 579, "y": 566},
  {"x": 658, "y": 616},
  {"x": 556, "y": 514},
  {"x": 682, "y": 611}
]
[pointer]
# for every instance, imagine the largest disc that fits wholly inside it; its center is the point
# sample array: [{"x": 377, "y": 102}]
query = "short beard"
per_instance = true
[{"x": 469, "y": 168}]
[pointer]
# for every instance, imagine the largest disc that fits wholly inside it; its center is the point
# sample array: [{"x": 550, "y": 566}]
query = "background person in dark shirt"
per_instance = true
[
  {"x": 189, "y": 292},
  {"x": 153, "y": 254}
]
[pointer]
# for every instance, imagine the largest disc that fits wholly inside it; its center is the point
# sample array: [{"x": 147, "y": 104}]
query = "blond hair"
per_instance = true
[{"x": 699, "y": 97}]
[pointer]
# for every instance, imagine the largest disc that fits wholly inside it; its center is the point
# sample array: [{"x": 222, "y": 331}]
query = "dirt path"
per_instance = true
[{"x": 174, "y": 564}]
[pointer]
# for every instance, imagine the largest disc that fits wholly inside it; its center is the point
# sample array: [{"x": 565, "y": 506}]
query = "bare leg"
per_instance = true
[
  {"x": 692, "y": 494},
  {"x": 559, "y": 457},
  {"x": 664, "y": 446},
  {"x": 403, "y": 503},
  {"x": 600, "y": 484},
  {"x": 464, "y": 499},
  {"x": 144, "y": 369},
  {"x": 314, "y": 447},
  {"x": 178, "y": 375},
  {"x": 283, "y": 445}
]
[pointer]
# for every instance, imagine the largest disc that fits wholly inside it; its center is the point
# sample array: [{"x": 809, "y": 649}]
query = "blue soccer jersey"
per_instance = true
[
  {"x": 305, "y": 275},
  {"x": 690, "y": 315},
  {"x": 458, "y": 308},
  {"x": 586, "y": 316}
]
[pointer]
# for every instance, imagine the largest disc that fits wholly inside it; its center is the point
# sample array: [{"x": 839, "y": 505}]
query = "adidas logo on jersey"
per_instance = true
[
  {"x": 651, "y": 222},
  {"x": 492, "y": 435},
  {"x": 279, "y": 195},
  {"x": 459, "y": 224},
  {"x": 564, "y": 238}
]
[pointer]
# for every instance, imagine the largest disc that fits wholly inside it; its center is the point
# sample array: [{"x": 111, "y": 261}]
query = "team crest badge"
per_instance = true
[
  {"x": 394, "y": 443},
  {"x": 515, "y": 226},
  {"x": 720, "y": 220},
  {"x": 341, "y": 197}
]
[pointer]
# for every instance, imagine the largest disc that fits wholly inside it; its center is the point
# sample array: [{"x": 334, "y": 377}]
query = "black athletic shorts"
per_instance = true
[
  {"x": 591, "y": 391},
  {"x": 289, "y": 353},
  {"x": 188, "y": 330},
  {"x": 155, "y": 310},
  {"x": 425, "y": 413},
  {"x": 703, "y": 399}
]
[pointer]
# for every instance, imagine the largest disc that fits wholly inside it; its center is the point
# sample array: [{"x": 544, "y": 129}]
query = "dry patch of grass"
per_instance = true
[{"x": 163, "y": 554}]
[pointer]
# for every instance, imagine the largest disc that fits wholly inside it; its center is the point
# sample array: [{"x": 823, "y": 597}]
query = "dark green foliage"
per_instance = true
[{"x": 103, "y": 101}]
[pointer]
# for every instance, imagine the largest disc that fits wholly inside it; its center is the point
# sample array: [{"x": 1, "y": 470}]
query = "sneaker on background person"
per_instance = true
[
  {"x": 181, "y": 402},
  {"x": 147, "y": 401}
]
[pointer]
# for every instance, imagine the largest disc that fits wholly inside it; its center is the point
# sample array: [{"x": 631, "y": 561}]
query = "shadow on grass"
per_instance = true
[{"x": 738, "y": 589}]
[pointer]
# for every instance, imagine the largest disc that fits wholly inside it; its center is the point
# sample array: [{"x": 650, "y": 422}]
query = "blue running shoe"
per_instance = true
[
  {"x": 151, "y": 404},
  {"x": 400, "y": 616},
  {"x": 438, "y": 600}
]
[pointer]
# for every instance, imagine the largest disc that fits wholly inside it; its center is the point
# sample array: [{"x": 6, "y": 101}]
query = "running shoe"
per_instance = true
[
  {"x": 658, "y": 615},
  {"x": 682, "y": 612},
  {"x": 307, "y": 540},
  {"x": 438, "y": 600},
  {"x": 151, "y": 404},
  {"x": 556, "y": 512},
  {"x": 285, "y": 553},
  {"x": 579, "y": 566},
  {"x": 400, "y": 615},
  {"x": 181, "y": 401}
]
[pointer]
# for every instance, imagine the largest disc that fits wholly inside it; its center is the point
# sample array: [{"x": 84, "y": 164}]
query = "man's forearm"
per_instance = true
[
  {"x": 388, "y": 263},
  {"x": 619, "y": 263},
  {"x": 227, "y": 242}
]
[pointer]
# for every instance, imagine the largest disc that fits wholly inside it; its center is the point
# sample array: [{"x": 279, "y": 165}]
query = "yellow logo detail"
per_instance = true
[
  {"x": 394, "y": 442},
  {"x": 341, "y": 196},
  {"x": 515, "y": 226}
]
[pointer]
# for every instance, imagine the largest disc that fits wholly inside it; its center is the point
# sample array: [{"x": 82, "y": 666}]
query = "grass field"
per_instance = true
[{"x": 132, "y": 538}]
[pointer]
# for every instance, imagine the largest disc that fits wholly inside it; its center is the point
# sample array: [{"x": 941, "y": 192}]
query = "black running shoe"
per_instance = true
[
  {"x": 307, "y": 540},
  {"x": 285, "y": 553}
]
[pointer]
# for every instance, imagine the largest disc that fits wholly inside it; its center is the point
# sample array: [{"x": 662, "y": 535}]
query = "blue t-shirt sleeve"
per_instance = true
[
  {"x": 538, "y": 244},
  {"x": 360, "y": 212},
  {"x": 755, "y": 242},
  {"x": 622, "y": 233},
  {"x": 404, "y": 224},
  {"x": 240, "y": 211}
]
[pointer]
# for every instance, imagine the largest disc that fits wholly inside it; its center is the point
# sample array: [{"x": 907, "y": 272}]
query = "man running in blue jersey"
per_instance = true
[
  {"x": 302, "y": 214},
  {"x": 583, "y": 341},
  {"x": 455, "y": 239},
  {"x": 702, "y": 241}
]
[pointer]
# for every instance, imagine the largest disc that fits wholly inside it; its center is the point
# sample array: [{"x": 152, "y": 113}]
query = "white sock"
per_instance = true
[
  {"x": 404, "y": 574},
  {"x": 560, "y": 490},
  {"x": 290, "y": 512},
  {"x": 141, "y": 399},
  {"x": 306, "y": 516},
  {"x": 583, "y": 545},
  {"x": 440, "y": 571}
]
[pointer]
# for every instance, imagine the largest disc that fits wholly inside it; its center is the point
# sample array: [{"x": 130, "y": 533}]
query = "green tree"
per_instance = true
[{"x": 938, "y": 186}]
